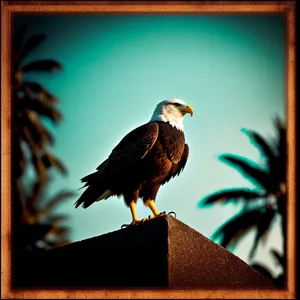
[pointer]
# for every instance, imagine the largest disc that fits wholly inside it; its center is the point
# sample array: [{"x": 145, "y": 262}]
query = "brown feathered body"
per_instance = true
[{"x": 146, "y": 158}]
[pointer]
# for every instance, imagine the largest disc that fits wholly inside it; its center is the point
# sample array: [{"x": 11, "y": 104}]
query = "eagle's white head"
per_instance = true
[{"x": 172, "y": 111}]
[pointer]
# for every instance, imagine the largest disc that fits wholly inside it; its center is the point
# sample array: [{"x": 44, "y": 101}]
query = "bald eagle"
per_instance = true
[{"x": 144, "y": 160}]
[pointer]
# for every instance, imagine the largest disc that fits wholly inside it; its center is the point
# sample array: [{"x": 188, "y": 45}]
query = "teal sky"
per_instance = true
[{"x": 230, "y": 69}]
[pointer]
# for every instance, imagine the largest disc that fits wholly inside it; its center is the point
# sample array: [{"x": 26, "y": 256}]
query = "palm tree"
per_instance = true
[
  {"x": 31, "y": 103},
  {"x": 41, "y": 227},
  {"x": 262, "y": 204}
]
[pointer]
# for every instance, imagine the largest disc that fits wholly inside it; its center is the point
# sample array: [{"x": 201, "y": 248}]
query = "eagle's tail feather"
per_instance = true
[
  {"x": 105, "y": 195},
  {"x": 97, "y": 189},
  {"x": 91, "y": 195},
  {"x": 101, "y": 170},
  {"x": 89, "y": 177}
]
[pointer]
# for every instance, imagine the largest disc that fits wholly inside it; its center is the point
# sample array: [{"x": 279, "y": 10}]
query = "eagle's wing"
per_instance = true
[
  {"x": 134, "y": 146},
  {"x": 178, "y": 168},
  {"x": 183, "y": 160},
  {"x": 172, "y": 141}
]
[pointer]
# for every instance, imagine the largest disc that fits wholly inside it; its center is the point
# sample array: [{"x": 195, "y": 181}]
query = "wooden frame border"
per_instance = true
[{"x": 135, "y": 7}]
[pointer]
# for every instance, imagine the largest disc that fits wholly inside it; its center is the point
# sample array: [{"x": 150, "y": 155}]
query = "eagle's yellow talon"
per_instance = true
[
  {"x": 157, "y": 215},
  {"x": 134, "y": 222}
]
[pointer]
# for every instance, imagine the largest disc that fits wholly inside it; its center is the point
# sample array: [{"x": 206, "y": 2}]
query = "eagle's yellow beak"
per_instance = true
[{"x": 186, "y": 109}]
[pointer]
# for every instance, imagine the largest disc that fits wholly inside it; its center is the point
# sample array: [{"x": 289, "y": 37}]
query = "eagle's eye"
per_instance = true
[{"x": 176, "y": 104}]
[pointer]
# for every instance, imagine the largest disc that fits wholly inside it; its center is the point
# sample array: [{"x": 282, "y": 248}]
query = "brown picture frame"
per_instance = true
[{"x": 138, "y": 7}]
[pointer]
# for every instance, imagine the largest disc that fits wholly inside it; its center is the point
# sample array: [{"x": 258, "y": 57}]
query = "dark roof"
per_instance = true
[{"x": 162, "y": 253}]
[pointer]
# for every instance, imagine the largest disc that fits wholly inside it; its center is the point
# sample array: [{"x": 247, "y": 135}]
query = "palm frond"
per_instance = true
[
  {"x": 57, "y": 199},
  {"x": 26, "y": 137},
  {"x": 282, "y": 154},
  {"x": 262, "y": 144},
  {"x": 280, "y": 259},
  {"x": 262, "y": 228},
  {"x": 59, "y": 230},
  {"x": 42, "y": 108},
  {"x": 36, "y": 161},
  {"x": 39, "y": 167},
  {"x": 57, "y": 219},
  {"x": 33, "y": 198},
  {"x": 278, "y": 123},
  {"x": 32, "y": 136},
  {"x": 280, "y": 128},
  {"x": 50, "y": 161},
  {"x": 30, "y": 126},
  {"x": 263, "y": 270},
  {"x": 237, "y": 227},
  {"x": 46, "y": 65},
  {"x": 39, "y": 91},
  {"x": 230, "y": 195},
  {"x": 248, "y": 169},
  {"x": 31, "y": 44}
]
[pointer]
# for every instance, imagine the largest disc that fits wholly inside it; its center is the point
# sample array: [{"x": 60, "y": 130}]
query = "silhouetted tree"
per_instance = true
[
  {"x": 32, "y": 103},
  {"x": 262, "y": 204}
]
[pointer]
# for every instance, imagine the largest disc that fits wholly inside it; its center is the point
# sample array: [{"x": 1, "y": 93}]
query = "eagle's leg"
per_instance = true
[
  {"x": 135, "y": 219},
  {"x": 156, "y": 213}
]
